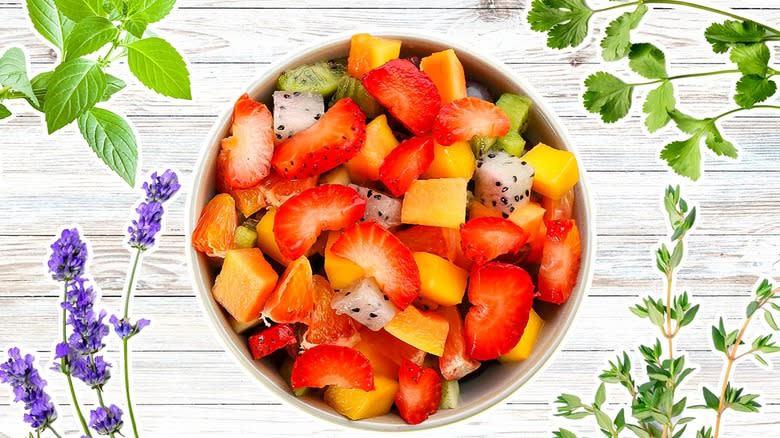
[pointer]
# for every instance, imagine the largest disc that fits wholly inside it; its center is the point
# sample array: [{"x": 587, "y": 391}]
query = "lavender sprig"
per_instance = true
[
  {"x": 106, "y": 421},
  {"x": 29, "y": 388}
]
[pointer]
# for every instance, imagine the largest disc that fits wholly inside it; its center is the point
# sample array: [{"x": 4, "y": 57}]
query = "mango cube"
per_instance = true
[
  {"x": 339, "y": 175},
  {"x": 529, "y": 217},
  {"x": 376, "y": 355},
  {"x": 556, "y": 170},
  {"x": 357, "y": 404},
  {"x": 266, "y": 240},
  {"x": 380, "y": 141},
  {"x": 437, "y": 202},
  {"x": 442, "y": 281},
  {"x": 424, "y": 330},
  {"x": 340, "y": 271},
  {"x": 244, "y": 284},
  {"x": 454, "y": 161},
  {"x": 368, "y": 52},
  {"x": 525, "y": 346}
]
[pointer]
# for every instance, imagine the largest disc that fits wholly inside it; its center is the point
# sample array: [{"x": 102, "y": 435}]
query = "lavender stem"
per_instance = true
[
  {"x": 125, "y": 350},
  {"x": 63, "y": 362},
  {"x": 51, "y": 429}
]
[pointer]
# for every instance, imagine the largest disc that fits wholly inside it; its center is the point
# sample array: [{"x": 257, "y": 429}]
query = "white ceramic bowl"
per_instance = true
[{"x": 496, "y": 382}]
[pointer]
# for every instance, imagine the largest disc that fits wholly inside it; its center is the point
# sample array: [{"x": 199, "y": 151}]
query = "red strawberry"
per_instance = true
[
  {"x": 486, "y": 238},
  {"x": 382, "y": 256},
  {"x": 300, "y": 219},
  {"x": 444, "y": 242},
  {"x": 334, "y": 139},
  {"x": 245, "y": 157},
  {"x": 501, "y": 296},
  {"x": 407, "y": 93},
  {"x": 404, "y": 164},
  {"x": 271, "y": 339},
  {"x": 455, "y": 363},
  {"x": 464, "y": 118},
  {"x": 560, "y": 261},
  {"x": 419, "y": 392},
  {"x": 325, "y": 365}
]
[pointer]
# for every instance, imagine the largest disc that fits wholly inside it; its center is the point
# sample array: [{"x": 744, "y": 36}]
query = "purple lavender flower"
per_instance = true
[
  {"x": 125, "y": 329},
  {"x": 149, "y": 223},
  {"x": 106, "y": 421},
  {"x": 28, "y": 387},
  {"x": 88, "y": 328},
  {"x": 163, "y": 187},
  {"x": 92, "y": 370},
  {"x": 68, "y": 257}
]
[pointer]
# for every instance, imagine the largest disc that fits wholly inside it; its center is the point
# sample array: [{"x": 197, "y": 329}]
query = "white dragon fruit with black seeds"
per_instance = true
[
  {"x": 380, "y": 208},
  {"x": 295, "y": 111},
  {"x": 364, "y": 302},
  {"x": 503, "y": 181}
]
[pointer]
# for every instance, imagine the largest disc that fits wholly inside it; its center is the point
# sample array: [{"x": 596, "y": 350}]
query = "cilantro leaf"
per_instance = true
[
  {"x": 724, "y": 35},
  {"x": 565, "y": 21},
  {"x": 648, "y": 61},
  {"x": 684, "y": 156},
  {"x": 688, "y": 124},
  {"x": 751, "y": 59},
  {"x": 616, "y": 43},
  {"x": 752, "y": 89},
  {"x": 658, "y": 104},
  {"x": 718, "y": 144},
  {"x": 608, "y": 96}
]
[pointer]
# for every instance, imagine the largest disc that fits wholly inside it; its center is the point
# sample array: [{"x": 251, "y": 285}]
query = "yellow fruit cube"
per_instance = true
[
  {"x": 374, "y": 352},
  {"x": 478, "y": 210},
  {"x": 357, "y": 404},
  {"x": 379, "y": 142},
  {"x": 441, "y": 281},
  {"x": 339, "y": 175},
  {"x": 556, "y": 170},
  {"x": 529, "y": 217},
  {"x": 368, "y": 52},
  {"x": 455, "y": 161},
  {"x": 266, "y": 240},
  {"x": 340, "y": 271},
  {"x": 426, "y": 331},
  {"x": 437, "y": 202},
  {"x": 525, "y": 346}
]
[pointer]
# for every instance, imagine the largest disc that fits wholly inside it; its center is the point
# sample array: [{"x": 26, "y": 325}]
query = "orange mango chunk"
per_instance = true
[
  {"x": 380, "y": 141},
  {"x": 368, "y": 52},
  {"x": 556, "y": 170},
  {"x": 441, "y": 281},
  {"x": 340, "y": 271},
  {"x": 424, "y": 330},
  {"x": 446, "y": 72},
  {"x": 357, "y": 404},
  {"x": 454, "y": 161},
  {"x": 266, "y": 240},
  {"x": 245, "y": 283}
]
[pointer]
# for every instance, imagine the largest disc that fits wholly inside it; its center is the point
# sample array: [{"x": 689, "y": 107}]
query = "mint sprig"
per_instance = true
[{"x": 90, "y": 35}]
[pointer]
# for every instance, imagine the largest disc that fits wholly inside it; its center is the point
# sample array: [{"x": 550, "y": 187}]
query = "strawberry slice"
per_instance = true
[
  {"x": 501, "y": 296},
  {"x": 325, "y": 365},
  {"x": 465, "y": 118},
  {"x": 336, "y": 137},
  {"x": 404, "y": 164},
  {"x": 455, "y": 363},
  {"x": 560, "y": 261},
  {"x": 301, "y": 219},
  {"x": 485, "y": 238},
  {"x": 419, "y": 392},
  {"x": 292, "y": 300},
  {"x": 326, "y": 326},
  {"x": 271, "y": 339},
  {"x": 216, "y": 228},
  {"x": 407, "y": 93},
  {"x": 245, "y": 157},
  {"x": 384, "y": 257},
  {"x": 444, "y": 242}
]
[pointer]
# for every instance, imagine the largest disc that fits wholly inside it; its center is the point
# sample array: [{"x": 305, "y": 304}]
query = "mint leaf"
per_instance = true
[
  {"x": 49, "y": 22},
  {"x": 40, "y": 84},
  {"x": 113, "y": 86},
  {"x": 607, "y": 95},
  {"x": 160, "y": 67},
  {"x": 648, "y": 61},
  {"x": 751, "y": 59},
  {"x": 617, "y": 41},
  {"x": 717, "y": 144},
  {"x": 136, "y": 27},
  {"x": 89, "y": 35},
  {"x": 752, "y": 89},
  {"x": 149, "y": 11},
  {"x": 75, "y": 87},
  {"x": 13, "y": 72},
  {"x": 724, "y": 35},
  {"x": 658, "y": 104},
  {"x": 78, "y": 10},
  {"x": 112, "y": 139},
  {"x": 684, "y": 157},
  {"x": 4, "y": 112},
  {"x": 565, "y": 21}
]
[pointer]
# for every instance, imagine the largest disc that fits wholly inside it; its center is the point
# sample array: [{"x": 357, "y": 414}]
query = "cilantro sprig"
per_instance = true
[
  {"x": 654, "y": 408},
  {"x": 89, "y": 36},
  {"x": 745, "y": 41}
]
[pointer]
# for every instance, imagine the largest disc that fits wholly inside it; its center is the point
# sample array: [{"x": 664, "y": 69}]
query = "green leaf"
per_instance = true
[
  {"x": 752, "y": 89},
  {"x": 638, "y": 431},
  {"x": 4, "y": 112},
  {"x": 677, "y": 254},
  {"x": 136, "y": 27},
  {"x": 751, "y": 308},
  {"x": 89, "y": 35},
  {"x": 607, "y": 95},
  {"x": 760, "y": 360},
  {"x": 75, "y": 87},
  {"x": 49, "y": 22},
  {"x": 78, "y": 10},
  {"x": 40, "y": 85},
  {"x": 602, "y": 419},
  {"x": 717, "y": 144},
  {"x": 564, "y": 433},
  {"x": 710, "y": 399},
  {"x": 658, "y": 104},
  {"x": 770, "y": 320},
  {"x": 648, "y": 61},
  {"x": 617, "y": 41},
  {"x": 601, "y": 395},
  {"x": 731, "y": 32},
  {"x": 112, "y": 139},
  {"x": 684, "y": 157},
  {"x": 113, "y": 86},
  {"x": 13, "y": 72},
  {"x": 620, "y": 420},
  {"x": 565, "y": 21},
  {"x": 160, "y": 67},
  {"x": 149, "y": 11},
  {"x": 689, "y": 316},
  {"x": 688, "y": 124},
  {"x": 751, "y": 59}
]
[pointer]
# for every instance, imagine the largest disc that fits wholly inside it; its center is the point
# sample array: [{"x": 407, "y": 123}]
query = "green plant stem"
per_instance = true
[
  {"x": 736, "y": 110},
  {"x": 102, "y": 404},
  {"x": 51, "y": 429},
  {"x": 689, "y": 75},
  {"x": 63, "y": 363},
  {"x": 125, "y": 349},
  {"x": 106, "y": 59},
  {"x": 668, "y": 332}
]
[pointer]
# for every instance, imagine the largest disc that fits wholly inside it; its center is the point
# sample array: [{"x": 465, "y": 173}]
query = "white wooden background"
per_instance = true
[{"x": 187, "y": 386}]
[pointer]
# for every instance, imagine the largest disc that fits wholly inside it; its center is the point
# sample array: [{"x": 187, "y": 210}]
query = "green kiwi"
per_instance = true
[
  {"x": 286, "y": 372},
  {"x": 481, "y": 144},
  {"x": 245, "y": 237},
  {"x": 517, "y": 108},
  {"x": 321, "y": 77},
  {"x": 354, "y": 89},
  {"x": 450, "y": 394},
  {"x": 512, "y": 143}
]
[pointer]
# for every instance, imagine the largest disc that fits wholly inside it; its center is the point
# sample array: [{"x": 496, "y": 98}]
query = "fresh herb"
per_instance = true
[
  {"x": 655, "y": 409},
  {"x": 566, "y": 24},
  {"x": 90, "y": 35}
]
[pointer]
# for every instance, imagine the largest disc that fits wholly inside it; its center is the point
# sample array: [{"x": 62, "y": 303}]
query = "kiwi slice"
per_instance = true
[
  {"x": 512, "y": 143},
  {"x": 321, "y": 77},
  {"x": 246, "y": 237},
  {"x": 450, "y": 394},
  {"x": 481, "y": 144},
  {"x": 517, "y": 108},
  {"x": 354, "y": 89}
]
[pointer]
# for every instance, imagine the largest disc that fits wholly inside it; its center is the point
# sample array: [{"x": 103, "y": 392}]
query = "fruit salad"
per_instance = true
[{"x": 384, "y": 231}]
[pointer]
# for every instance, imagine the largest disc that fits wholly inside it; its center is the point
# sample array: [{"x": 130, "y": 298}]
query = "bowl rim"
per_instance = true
[{"x": 202, "y": 290}]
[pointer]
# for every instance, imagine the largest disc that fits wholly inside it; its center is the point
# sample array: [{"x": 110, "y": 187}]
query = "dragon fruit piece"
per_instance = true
[
  {"x": 295, "y": 111},
  {"x": 364, "y": 302},
  {"x": 503, "y": 181},
  {"x": 380, "y": 208}
]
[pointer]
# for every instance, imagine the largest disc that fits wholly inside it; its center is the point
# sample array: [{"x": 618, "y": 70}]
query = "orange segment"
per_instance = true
[
  {"x": 393, "y": 348},
  {"x": 327, "y": 327},
  {"x": 446, "y": 71},
  {"x": 249, "y": 201},
  {"x": 368, "y": 52},
  {"x": 292, "y": 300},
  {"x": 216, "y": 229},
  {"x": 424, "y": 330},
  {"x": 245, "y": 283},
  {"x": 380, "y": 141}
]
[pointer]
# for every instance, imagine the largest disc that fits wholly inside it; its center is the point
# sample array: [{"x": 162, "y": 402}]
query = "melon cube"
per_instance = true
[
  {"x": 441, "y": 281},
  {"x": 375, "y": 352},
  {"x": 368, "y": 52},
  {"x": 529, "y": 217},
  {"x": 379, "y": 142},
  {"x": 437, "y": 202},
  {"x": 454, "y": 161},
  {"x": 364, "y": 302},
  {"x": 266, "y": 240},
  {"x": 424, "y": 330},
  {"x": 244, "y": 284},
  {"x": 525, "y": 346},
  {"x": 357, "y": 404},
  {"x": 340, "y": 271},
  {"x": 556, "y": 170}
]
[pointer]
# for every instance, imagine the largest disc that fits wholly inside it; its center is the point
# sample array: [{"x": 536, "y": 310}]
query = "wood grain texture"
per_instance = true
[{"x": 187, "y": 386}]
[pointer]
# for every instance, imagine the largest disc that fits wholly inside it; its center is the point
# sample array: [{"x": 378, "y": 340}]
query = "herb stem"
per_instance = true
[
  {"x": 689, "y": 75},
  {"x": 63, "y": 365},
  {"x": 51, "y": 429},
  {"x": 99, "y": 392},
  {"x": 736, "y": 110},
  {"x": 125, "y": 349},
  {"x": 621, "y": 5},
  {"x": 669, "y": 334}
]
